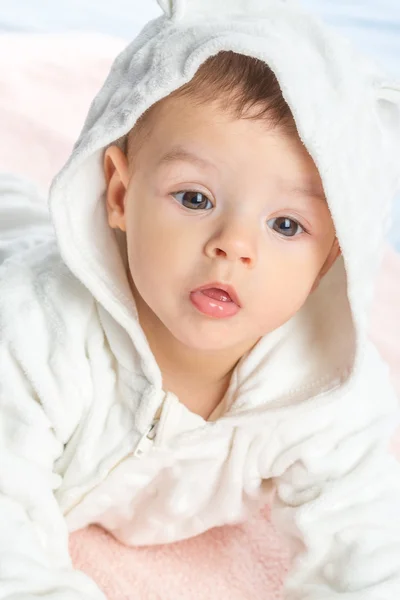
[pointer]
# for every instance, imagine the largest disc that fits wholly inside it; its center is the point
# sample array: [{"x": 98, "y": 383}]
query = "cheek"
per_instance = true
[
  {"x": 284, "y": 288},
  {"x": 158, "y": 250}
]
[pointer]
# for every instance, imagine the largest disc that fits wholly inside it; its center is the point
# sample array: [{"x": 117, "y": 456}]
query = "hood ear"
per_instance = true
[
  {"x": 388, "y": 97},
  {"x": 176, "y": 9},
  {"x": 388, "y": 109},
  {"x": 169, "y": 7}
]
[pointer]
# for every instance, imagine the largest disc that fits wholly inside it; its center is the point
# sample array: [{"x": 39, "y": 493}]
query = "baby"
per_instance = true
[
  {"x": 249, "y": 234},
  {"x": 191, "y": 342}
]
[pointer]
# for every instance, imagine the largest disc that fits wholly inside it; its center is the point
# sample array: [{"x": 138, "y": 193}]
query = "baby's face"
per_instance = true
[{"x": 212, "y": 198}]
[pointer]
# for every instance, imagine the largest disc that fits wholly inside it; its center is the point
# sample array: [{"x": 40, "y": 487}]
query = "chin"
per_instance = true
[{"x": 203, "y": 338}]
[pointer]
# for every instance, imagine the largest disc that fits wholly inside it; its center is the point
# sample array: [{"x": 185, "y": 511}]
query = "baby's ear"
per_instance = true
[
  {"x": 116, "y": 176},
  {"x": 334, "y": 254}
]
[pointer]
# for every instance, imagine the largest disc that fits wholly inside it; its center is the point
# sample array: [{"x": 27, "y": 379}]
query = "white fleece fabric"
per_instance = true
[{"x": 87, "y": 432}]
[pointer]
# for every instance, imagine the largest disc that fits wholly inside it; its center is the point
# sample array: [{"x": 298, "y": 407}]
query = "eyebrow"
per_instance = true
[
  {"x": 308, "y": 191},
  {"x": 181, "y": 154}
]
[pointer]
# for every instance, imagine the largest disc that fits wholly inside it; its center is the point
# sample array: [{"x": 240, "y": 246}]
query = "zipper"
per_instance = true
[
  {"x": 146, "y": 442},
  {"x": 144, "y": 445}
]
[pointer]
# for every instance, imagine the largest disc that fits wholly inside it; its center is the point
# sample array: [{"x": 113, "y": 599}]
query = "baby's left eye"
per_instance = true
[{"x": 285, "y": 226}]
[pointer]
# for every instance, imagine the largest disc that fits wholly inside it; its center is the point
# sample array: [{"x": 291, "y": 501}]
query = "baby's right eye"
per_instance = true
[{"x": 192, "y": 199}]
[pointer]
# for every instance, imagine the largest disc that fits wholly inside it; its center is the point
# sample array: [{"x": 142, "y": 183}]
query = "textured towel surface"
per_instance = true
[{"x": 242, "y": 562}]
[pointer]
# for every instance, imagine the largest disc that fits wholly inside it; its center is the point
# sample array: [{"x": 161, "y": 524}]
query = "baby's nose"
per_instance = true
[{"x": 234, "y": 242}]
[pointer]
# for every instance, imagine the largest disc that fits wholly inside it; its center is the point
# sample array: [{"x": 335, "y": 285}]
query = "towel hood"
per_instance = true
[{"x": 347, "y": 115}]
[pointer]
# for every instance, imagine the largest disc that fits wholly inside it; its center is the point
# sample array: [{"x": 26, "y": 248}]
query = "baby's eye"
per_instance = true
[
  {"x": 192, "y": 199},
  {"x": 285, "y": 226}
]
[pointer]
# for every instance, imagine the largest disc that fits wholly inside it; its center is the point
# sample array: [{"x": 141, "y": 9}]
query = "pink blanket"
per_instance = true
[{"x": 46, "y": 85}]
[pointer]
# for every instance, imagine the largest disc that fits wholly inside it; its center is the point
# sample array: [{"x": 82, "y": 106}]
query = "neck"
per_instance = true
[{"x": 199, "y": 368}]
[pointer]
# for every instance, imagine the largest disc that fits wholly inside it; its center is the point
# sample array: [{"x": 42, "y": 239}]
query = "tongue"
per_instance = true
[{"x": 217, "y": 294}]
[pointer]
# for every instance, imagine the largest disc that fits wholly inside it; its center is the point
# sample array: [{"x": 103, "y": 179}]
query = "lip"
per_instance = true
[{"x": 221, "y": 286}]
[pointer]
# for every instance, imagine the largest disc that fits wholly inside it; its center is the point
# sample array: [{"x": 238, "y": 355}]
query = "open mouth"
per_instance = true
[
  {"x": 217, "y": 294},
  {"x": 214, "y": 302}
]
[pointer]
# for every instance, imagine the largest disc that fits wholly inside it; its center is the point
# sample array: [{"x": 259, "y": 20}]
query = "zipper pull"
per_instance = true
[{"x": 146, "y": 442}]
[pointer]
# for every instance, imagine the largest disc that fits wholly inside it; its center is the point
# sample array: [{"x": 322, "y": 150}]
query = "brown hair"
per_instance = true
[{"x": 243, "y": 85}]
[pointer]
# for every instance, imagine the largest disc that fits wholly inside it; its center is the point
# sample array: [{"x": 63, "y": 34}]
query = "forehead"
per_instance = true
[{"x": 180, "y": 130}]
